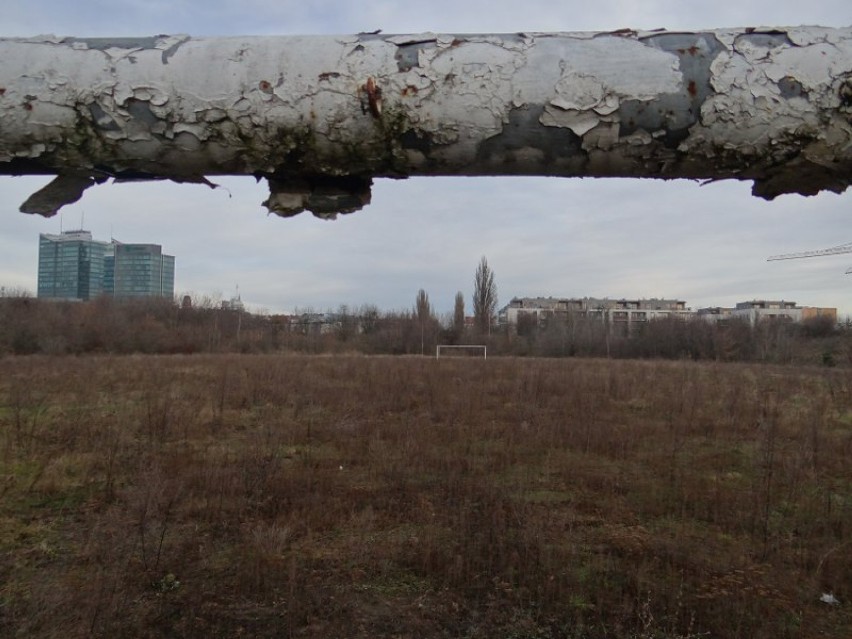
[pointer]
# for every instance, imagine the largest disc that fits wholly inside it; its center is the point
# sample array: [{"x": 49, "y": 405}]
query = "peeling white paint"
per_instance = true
[
  {"x": 578, "y": 91},
  {"x": 765, "y": 104},
  {"x": 580, "y": 122}
]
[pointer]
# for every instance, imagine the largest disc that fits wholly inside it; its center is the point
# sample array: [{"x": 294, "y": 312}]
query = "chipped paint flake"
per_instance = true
[
  {"x": 578, "y": 91},
  {"x": 580, "y": 122}
]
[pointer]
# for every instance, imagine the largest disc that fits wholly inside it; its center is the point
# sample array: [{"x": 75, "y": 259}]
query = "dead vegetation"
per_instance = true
[{"x": 271, "y": 496}]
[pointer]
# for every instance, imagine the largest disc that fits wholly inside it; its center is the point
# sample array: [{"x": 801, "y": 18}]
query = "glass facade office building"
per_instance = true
[
  {"x": 73, "y": 266},
  {"x": 138, "y": 270},
  {"x": 70, "y": 266}
]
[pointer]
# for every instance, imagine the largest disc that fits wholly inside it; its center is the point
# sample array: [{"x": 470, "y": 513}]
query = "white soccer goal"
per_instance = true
[{"x": 463, "y": 347}]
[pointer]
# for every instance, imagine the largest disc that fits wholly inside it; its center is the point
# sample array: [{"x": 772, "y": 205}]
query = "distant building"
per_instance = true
[
  {"x": 138, "y": 270},
  {"x": 773, "y": 310},
  {"x": 233, "y": 304},
  {"x": 70, "y": 266},
  {"x": 811, "y": 312},
  {"x": 631, "y": 312},
  {"x": 313, "y": 323},
  {"x": 73, "y": 266},
  {"x": 755, "y": 311},
  {"x": 621, "y": 311},
  {"x": 715, "y": 313}
]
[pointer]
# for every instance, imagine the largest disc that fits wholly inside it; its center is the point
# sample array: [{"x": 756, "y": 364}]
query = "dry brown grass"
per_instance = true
[{"x": 224, "y": 496}]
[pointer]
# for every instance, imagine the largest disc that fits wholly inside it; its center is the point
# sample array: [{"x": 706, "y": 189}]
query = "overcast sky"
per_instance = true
[{"x": 542, "y": 236}]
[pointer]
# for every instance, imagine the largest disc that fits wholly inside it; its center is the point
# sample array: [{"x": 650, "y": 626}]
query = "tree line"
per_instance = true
[{"x": 107, "y": 325}]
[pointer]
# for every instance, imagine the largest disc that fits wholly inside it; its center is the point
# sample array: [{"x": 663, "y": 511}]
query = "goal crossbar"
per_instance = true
[{"x": 481, "y": 347}]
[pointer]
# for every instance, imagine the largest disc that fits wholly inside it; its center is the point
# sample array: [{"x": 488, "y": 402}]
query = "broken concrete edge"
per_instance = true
[
  {"x": 62, "y": 190},
  {"x": 67, "y": 188},
  {"x": 323, "y": 196},
  {"x": 327, "y": 197}
]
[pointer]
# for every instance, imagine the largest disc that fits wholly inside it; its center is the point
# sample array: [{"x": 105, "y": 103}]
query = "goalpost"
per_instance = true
[{"x": 474, "y": 347}]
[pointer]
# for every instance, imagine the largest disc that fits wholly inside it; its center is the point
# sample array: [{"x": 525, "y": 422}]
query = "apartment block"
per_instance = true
[
  {"x": 614, "y": 311},
  {"x": 755, "y": 311},
  {"x": 632, "y": 312}
]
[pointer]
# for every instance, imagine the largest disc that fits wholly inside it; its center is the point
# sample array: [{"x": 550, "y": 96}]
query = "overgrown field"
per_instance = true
[{"x": 269, "y": 496}]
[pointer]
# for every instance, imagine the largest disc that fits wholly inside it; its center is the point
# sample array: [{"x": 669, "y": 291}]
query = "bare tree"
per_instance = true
[
  {"x": 422, "y": 307},
  {"x": 484, "y": 297},
  {"x": 369, "y": 317},
  {"x": 770, "y": 105},
  {"x": 458, "y": 316},
  {"x": 423, "y": 315}
]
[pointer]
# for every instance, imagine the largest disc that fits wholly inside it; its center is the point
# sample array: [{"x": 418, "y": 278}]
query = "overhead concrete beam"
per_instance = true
[{"x": 320, "y": 116}]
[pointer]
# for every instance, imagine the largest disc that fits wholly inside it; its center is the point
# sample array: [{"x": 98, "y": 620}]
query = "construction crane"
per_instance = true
[{"x": 834, "y": 250}]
